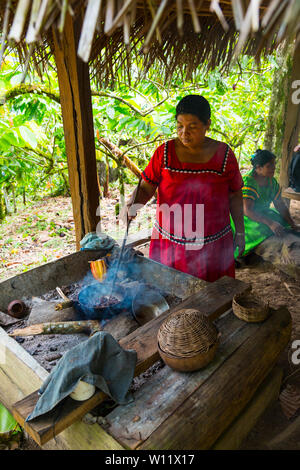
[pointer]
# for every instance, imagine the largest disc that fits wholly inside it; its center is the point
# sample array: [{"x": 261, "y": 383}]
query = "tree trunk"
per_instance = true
[
  {"x": 292, "y": 117},
  {"x": 7, "y": 203},
  {"x": 278, "y": 104}
]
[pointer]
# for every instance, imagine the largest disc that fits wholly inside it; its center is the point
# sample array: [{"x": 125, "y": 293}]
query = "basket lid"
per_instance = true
[{"x": 186, "y": 332}]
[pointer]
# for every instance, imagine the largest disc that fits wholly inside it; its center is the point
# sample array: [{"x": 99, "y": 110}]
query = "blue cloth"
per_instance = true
[
  {"x": 99, "y": 361},
  {"x": 97, "y": 241}
]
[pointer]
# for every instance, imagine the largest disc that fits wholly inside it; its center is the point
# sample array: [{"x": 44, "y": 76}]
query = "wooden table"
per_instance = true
[{"x": 211, "y": 408}]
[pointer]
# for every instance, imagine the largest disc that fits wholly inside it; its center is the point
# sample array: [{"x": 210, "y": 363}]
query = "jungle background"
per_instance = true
[{"x": 36, "y": 222}]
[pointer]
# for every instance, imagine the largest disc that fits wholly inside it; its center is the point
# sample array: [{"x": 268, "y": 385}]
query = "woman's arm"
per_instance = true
[
  {"x": 236, "y": 211},
  {"x": 284, "y": 212},
  {"x": 145, "y": 192},
  {"x": 250, "y": 212}
]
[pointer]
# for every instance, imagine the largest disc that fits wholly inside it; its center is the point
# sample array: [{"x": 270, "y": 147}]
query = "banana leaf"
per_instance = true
[{"x": 8, "y": 425}]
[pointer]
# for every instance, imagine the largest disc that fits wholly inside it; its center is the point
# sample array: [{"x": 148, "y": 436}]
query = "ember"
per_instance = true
[{"x": 106, "y": 301}]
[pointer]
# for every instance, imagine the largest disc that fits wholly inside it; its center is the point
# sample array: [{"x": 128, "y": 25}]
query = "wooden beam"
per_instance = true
[
  {"x": 76, "y": 105},
  {"x": 292, "y": 123},
  {"x": 265, "y": 395}
]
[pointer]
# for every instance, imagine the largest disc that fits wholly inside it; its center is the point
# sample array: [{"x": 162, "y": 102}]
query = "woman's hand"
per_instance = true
[
  {"x": 239, "y": 241},
  {"x": 277, "y": 228},
  {"x": 129, "y": 212},
  {"x": 296, "y": 227}
]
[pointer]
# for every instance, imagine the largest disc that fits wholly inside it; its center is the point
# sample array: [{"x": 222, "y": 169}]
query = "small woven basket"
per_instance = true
[
  {"x": 250, "y": 308},
  {"x": 187, "y": 340}
]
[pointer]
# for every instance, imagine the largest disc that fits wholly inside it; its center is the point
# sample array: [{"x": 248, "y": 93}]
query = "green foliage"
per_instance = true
[{"x": 136, "y": 119}]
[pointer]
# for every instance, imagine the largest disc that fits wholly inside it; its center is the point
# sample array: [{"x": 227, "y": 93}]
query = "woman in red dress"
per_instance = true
[{"x": 199, "y": 186}]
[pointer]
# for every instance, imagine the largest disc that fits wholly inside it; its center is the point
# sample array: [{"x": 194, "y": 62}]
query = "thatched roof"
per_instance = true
[{"x": 176, "y": 35}]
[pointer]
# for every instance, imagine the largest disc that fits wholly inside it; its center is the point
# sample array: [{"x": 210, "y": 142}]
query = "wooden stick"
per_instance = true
[
  {"x": 53, "y": 328},
  {"x": 194, "y": 15},
  {"x": 88, "y": 29},
  {"x": 214, "y": 6},
  {"x": 238, "y": 13},
  {"x": 110, "y": 10},
  {"x": 62, "y": 18},
  {"x": 62, "y": 305},
  {"x": 60, "y": 292},
  {"x": 31, "y": 31},
  {"x": 179, "y": 16},
  {"x": 108, "y": 29},
  {"x": 120, "y": 155},
  {"x": 154, "y": 25},
  {"x": 4, "y": 29}
]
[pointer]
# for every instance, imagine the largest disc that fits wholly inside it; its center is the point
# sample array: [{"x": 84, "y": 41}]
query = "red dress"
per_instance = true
[{"x": 192, "y": 229}]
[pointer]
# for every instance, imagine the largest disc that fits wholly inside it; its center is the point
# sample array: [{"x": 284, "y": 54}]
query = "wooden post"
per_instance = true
[
  {"x": 76, "y": 105},
  {"x": 292, "y": 123}
]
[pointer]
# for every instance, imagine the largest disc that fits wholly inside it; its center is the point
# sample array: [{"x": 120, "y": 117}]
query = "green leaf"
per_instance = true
[
  {"x": 7, "y": 422},
  {"x": 28, "y": 136}
]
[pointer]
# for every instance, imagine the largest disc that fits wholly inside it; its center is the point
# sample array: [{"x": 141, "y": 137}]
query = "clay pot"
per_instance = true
[{"x": 16, "y": 309}]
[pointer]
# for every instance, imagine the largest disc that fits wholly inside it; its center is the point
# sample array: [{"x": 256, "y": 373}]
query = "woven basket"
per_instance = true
[
  {"x": 187, "y": 340},
  {"x": 250, "y": 308}
]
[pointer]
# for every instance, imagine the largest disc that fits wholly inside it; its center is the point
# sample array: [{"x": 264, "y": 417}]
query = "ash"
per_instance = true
[
  {"x": 142, "y": 378},
  {"x": 48, "y": 349}
]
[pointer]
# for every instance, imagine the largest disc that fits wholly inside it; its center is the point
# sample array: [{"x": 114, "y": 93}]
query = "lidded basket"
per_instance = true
[{"x": 187, "y": 340}]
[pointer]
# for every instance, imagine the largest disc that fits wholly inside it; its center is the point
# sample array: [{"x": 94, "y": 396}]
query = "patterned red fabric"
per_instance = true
[{"x": 201, "y": 246}]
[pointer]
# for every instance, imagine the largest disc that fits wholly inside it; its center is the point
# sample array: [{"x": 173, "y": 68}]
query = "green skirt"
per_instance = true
[{"x": 257, "y": 232}]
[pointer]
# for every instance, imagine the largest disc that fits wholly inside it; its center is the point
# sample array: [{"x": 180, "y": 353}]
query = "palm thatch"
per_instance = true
[{"x": 176, "y": 35}]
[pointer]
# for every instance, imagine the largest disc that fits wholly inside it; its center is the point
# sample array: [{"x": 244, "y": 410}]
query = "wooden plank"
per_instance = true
[
  {"x": 20, "y": 375},
  {"x": 137, "y": 239},
  {"x": 167, "y": 390},
  {"x": 204, "y": 416},
  {"x": 51, "y": 424},
  {"x": 76, "y": 105},
  {"x": 214, "y": 300},
  {"x": 38, "y": 281},
  {"x": 289, "y": 193},
  {"x": 266, "y": 393}
]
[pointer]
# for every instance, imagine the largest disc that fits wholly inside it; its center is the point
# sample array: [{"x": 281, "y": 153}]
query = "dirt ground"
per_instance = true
[{"x": 273, "y": 429}]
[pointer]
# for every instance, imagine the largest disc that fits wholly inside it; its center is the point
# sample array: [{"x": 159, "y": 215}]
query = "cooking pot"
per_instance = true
[{"x": 89, "y": 297}]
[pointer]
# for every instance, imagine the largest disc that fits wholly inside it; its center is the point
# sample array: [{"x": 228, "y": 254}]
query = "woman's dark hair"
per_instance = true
[
  {"x": 196, "y": 105},
  {"x": 261, "y": 157}
]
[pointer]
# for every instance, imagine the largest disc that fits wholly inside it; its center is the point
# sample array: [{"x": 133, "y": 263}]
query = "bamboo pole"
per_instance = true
[
  {"x": 88, "y": 29},
  {"x": 194, "y": 16},
  {"x": 109, "y": 29},
  {"x": 4, "y": 30},
  {"x": 154, "y": 25},
  {"x": 31, "y": 31},
  {"x": 17, "y": 27}
]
